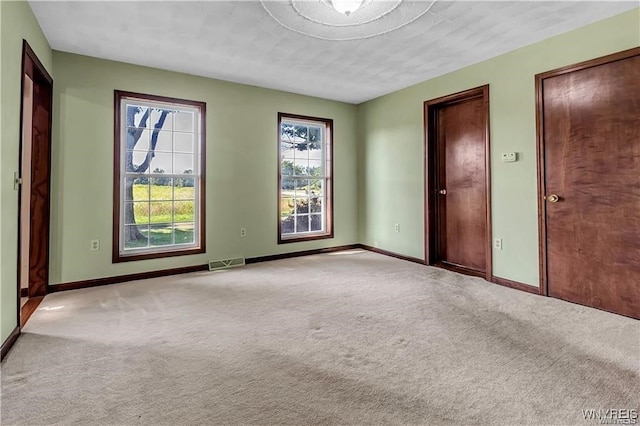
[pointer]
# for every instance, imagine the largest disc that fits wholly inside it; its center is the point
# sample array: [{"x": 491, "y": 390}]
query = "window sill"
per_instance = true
[
  {"x": 301, "y": 238},
  {"x": 118, "y": 258}
]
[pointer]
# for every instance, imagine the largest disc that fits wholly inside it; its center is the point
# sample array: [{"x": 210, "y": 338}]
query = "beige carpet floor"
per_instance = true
[{"x": 347, "y": 338}]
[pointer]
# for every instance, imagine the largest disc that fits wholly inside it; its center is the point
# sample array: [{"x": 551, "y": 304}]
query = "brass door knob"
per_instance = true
[
  {"x": 553, "y": 198},
  {"x": 443, "y": 191}
]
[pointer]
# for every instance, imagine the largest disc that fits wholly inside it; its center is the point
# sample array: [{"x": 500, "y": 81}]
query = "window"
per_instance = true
[
  {"x": 304, "y": 179},
  {"x": 158, "y": 177}
]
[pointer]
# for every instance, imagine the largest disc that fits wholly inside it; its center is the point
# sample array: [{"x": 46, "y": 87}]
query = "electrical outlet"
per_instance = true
[
  {"x": 497, "y": 243},
  {"x": 95, "y": 245},
  {"x": 396, "y": 227},
  {"x": 509, "y": 157},
  {"x": 243, "y": 232}
]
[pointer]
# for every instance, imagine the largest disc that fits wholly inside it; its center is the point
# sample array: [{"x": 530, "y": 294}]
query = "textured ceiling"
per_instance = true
[{"x": 304, "y": 46}]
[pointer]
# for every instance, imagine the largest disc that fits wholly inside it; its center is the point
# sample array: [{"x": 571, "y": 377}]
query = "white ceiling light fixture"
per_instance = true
[
  {"x": 346, "y": 7},
  {"x": 320, "y": 19}
]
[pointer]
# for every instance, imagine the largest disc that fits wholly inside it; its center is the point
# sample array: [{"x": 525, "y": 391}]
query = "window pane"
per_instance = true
[
  {"x": 138, "y": 139},
  {"x": 288, "y": 185},
  {"x": 136, "y": 213},
  {"x": 140, "y": 188},
  {"x": 161, "y": 188},
  {"x": 183, "y": 121},
  {"x": 164, "y": 143},
  {"x": 130, "y": 187},
  {"x": 316, "y": 204},
  {"x": 287, "y": 225},
  {"x": 183, "y": 142},
  {"x": 287, "y": 134},
  {"x": 300, "y": 132},
  {"x": 316, "y": 222},
  {"x": 302, "y": 186},
  {"x": 286, "y": 168},
  {"x": 133, "y": 113},
  {"x": 183, "y": 211},
  {"x": 135, "y": 160},
  {"x": 168, "y": 122},
  {"x": 287, "y": 150},
  {"x": 183, "y": 163},
  {"x": 315, "y": 137},
  {"x": 135, "y": 236},
  {"x": 184, "y": 188},
  {"x": 162, "y": 162},
  {"x": 302, "y": 205},
  {"x": 301, "y": 166},
  {"x": 315, "y": 185},
  {"x": 287, "y": 206},
  {"x": 160, "y": 212},
  {"x": 184, "y": 233},
  {"x": 160, "y": 234},
  {"x": 129, "y": 216},
  {"x": 302, "y": 223},
  {"x": 315, "y": 168}
]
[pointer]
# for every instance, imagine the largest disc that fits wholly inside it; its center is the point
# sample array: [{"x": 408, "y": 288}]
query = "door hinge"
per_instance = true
[{"x": 17, "y": 181}]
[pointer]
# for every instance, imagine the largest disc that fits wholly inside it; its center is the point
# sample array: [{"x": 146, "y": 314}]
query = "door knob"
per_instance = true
[
  {"x": 443, "y": 191},
  {"x": 553, "y": 198}
]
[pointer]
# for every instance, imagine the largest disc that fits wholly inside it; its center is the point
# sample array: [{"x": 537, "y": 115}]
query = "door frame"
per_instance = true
[
  {"x": 32, "y": 67},
  {"x": 431, "y": 108},
  {"x": 540, "y": 149}
]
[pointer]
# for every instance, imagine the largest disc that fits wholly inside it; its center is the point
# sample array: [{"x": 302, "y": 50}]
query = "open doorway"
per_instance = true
[{"x": 34, "y": 184}]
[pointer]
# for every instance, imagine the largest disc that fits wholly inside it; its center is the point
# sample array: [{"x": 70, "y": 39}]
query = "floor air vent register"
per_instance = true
[{"x": 233, "y": 262}]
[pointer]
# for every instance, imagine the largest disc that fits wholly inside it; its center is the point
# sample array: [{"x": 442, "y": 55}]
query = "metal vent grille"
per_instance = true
[{"x": 215, "y": 265}]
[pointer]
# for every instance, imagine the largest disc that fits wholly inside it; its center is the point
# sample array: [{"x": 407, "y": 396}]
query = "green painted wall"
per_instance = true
[
  {"x": 241, "y": 168},
  {"x": 378, "y": 155},
  {"x": 17, "y": 23},
  {"x": 391, "y": 148}
]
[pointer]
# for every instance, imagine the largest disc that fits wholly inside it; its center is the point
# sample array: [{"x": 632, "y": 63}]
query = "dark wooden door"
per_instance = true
[
  {"x": 40, "y": 185},
  {"x": 459, "y": 185},
  {"x": 591, "y": 184},
  {"x": 34, "y": 214}
]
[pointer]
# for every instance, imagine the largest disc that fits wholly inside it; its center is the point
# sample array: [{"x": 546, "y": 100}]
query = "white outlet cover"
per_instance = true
[{"x": 509, "y": 157}]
